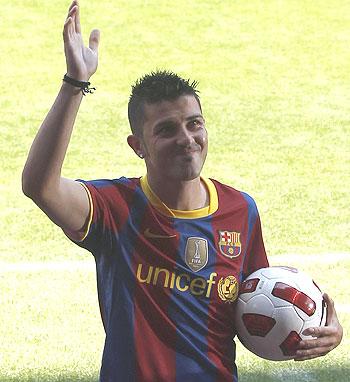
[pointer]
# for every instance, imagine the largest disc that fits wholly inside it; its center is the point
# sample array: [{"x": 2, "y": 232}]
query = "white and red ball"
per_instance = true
[{"x": 275, "y": 305}]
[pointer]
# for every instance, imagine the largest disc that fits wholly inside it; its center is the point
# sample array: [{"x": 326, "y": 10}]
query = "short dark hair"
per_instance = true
[{"x": 160, "y": 85}]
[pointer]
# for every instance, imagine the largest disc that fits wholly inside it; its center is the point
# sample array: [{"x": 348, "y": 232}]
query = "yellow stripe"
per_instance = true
[
  {"x": 193, "y": 214},
  {"x": 90, "y": 213}
]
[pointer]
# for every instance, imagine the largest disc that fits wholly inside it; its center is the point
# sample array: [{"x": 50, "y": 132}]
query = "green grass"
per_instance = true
[{"x": 275, "y": 88}]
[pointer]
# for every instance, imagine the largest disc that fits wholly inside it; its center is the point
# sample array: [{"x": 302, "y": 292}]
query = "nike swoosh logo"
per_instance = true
[{"x": 152, "y": 235}]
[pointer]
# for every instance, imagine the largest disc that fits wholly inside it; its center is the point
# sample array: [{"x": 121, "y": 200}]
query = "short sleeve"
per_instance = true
[
  {"x": 101, "y": 229},
  {"x": 257, "y": 258},
  {"x": 256, "y": 255}
]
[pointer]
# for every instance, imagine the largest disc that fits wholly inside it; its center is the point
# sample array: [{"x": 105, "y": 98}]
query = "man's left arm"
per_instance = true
[{"x": 326, "y": 338}]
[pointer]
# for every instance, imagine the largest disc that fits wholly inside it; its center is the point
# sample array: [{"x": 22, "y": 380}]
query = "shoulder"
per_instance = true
[
  {"x": 113, "y": 192},
  {"x": 230, "y": 194},
  {"x": 126, "y": 183},
  {"x": 106, "y": 186},
  {"x": 226, "y": 190}
]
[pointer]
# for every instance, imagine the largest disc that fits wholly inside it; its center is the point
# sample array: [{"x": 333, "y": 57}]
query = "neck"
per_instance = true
[{"x": 184, "y": 195}]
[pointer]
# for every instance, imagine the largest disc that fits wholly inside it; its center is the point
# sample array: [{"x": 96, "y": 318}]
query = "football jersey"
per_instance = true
[{"x": 168, "y": 279}]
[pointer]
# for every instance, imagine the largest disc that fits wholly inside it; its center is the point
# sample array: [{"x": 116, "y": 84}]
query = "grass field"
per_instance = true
[{"x": 275, "y": 88}]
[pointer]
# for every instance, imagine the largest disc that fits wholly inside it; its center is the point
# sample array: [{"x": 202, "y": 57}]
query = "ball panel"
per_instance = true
[
  {"x": 290, "y": 344},
  {"x": 258, "y": 324},
  {"x": 295, "y": 297},
  {"x": 277, "y": 272},
  {"x": 249, "y": 286},
  {"x": 261, "y": 304}
]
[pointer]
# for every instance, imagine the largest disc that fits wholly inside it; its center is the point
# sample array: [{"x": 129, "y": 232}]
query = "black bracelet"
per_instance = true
[{"x": 83, "y": 85}]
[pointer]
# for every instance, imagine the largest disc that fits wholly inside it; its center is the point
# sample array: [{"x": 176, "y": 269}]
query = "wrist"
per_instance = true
[
  {"x": 78, "y": 76},
  {"x": 83, "y": 86},
  {"x": 71, "y": 90}
]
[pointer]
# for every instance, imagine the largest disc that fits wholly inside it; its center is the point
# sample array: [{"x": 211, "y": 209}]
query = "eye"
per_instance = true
[
  {"x": 165, "y": 130},
  {"x": 196, "y": 123}
]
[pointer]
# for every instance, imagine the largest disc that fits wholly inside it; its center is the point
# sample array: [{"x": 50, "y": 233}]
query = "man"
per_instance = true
[{"x": 170, "y": 247}]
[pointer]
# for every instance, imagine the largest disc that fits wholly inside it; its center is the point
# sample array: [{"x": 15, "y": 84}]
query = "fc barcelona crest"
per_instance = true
[
  {"x": 196, "y": 253},
  {"x": 230, "y": 243}
]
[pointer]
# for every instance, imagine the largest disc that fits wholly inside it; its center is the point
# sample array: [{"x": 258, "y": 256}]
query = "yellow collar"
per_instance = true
[{"x": 193, "y": 214}]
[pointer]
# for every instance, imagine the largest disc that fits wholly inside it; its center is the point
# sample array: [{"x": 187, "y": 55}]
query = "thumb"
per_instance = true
[
  {"x": 94, "y": 40},
  {"x": 330, "y": 308}
]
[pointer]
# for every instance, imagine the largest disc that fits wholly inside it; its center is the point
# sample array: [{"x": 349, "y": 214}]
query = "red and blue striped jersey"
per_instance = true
[{"x": 167, "y": 279}]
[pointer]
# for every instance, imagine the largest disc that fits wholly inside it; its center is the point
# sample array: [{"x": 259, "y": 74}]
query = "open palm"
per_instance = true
[{"x": 81, "y": 60}]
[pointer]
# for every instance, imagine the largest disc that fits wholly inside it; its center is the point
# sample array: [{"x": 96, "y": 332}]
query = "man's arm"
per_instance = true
[{"x": 64, "y": 200}]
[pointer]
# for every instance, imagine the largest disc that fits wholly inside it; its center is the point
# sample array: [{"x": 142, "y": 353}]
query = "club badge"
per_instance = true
[
  {"x": 196, "y": 253},
  {"x": 230, "y": 244}
]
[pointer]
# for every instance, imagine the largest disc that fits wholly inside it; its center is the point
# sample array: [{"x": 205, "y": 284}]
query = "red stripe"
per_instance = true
[
  {"x": 220, "y": 314},
  {"x": 257, "y": 249},
  {"x": 113, "y": 195}
]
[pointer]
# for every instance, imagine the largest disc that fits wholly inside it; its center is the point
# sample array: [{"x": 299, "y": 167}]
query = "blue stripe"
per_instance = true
[
  {"x": 252, "y": 216},
  {"x": 189, "y": 312},
  {"x": 121, "y": 328}
]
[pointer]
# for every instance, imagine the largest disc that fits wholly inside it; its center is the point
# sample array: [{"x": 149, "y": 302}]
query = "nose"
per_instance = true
[{"x": 184, "y": 137}]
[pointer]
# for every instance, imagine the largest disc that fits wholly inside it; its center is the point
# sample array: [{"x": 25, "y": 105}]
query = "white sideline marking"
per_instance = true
[
  {"x": 289, "y": 259},
  {"x": 41, "y": 266},
  {"x": 89, "y": 265},
  {"x": 76, "y": 265}
]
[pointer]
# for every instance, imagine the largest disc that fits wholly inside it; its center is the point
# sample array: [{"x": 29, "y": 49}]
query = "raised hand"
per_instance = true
[
  {"x": 325, "y": 339},
  {"x": 81, "y": 60}
]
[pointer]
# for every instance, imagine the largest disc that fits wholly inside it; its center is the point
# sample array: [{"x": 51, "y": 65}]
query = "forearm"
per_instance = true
[{"x": 42, "y": 170}]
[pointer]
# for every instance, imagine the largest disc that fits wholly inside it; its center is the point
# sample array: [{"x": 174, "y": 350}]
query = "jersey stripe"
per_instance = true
[
  {"x": 153, "y": 328},
  {"x": 119, "y": 266},
  {"x": 252, "y": 216},
  {"x": 191, "y": 345},
  {"x": 222, "y": 346}
]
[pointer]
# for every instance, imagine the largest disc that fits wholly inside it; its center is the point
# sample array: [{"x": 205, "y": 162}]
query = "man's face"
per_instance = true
[{"x": 174, "y": 139}]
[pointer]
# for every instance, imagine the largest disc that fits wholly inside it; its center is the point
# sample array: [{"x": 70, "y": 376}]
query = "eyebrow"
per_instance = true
[
  {"x": 170, "y": 120},
  {"x": 194, "y": 117}
]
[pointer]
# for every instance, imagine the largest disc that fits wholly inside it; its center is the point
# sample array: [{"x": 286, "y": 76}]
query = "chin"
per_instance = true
[{"x": 185, "y": 174}]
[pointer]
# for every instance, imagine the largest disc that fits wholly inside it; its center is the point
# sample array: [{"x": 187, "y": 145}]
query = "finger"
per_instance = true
[
  {"x": 94, "y": 40},
  {"x": 74, "y": 3},
  {"x": 320, "y": 331},
  {"x": 308, "y": 357},
  {"x": 67, "y": 29},
  {"x": 330, "y": 308},
  {"x": 308, "y": 353},
  {"x": 72, "y": 9},
  {"x": 77, "y": 20},
  {"x": 328, "y": 300},
  {"x": 309, "y": 332},
  {"x": 327, "y": 341},
  {"x": 71, "y": 15}
]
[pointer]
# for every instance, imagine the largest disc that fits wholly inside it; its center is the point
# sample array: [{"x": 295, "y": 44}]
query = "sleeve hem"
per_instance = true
[{"x": 80, "y": 236}]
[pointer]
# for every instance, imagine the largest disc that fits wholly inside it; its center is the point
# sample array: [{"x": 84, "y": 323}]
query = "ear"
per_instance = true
[{"x": 135, "y": 143}]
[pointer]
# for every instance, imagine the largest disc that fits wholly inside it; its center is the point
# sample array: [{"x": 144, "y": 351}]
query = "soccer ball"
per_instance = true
[{"x": 275, "y": 305}]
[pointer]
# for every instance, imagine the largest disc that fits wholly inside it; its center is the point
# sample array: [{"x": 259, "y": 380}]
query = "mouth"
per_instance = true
[
  {"x": 187, "y": 155},
  {"x": 188, "y": 151}
]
